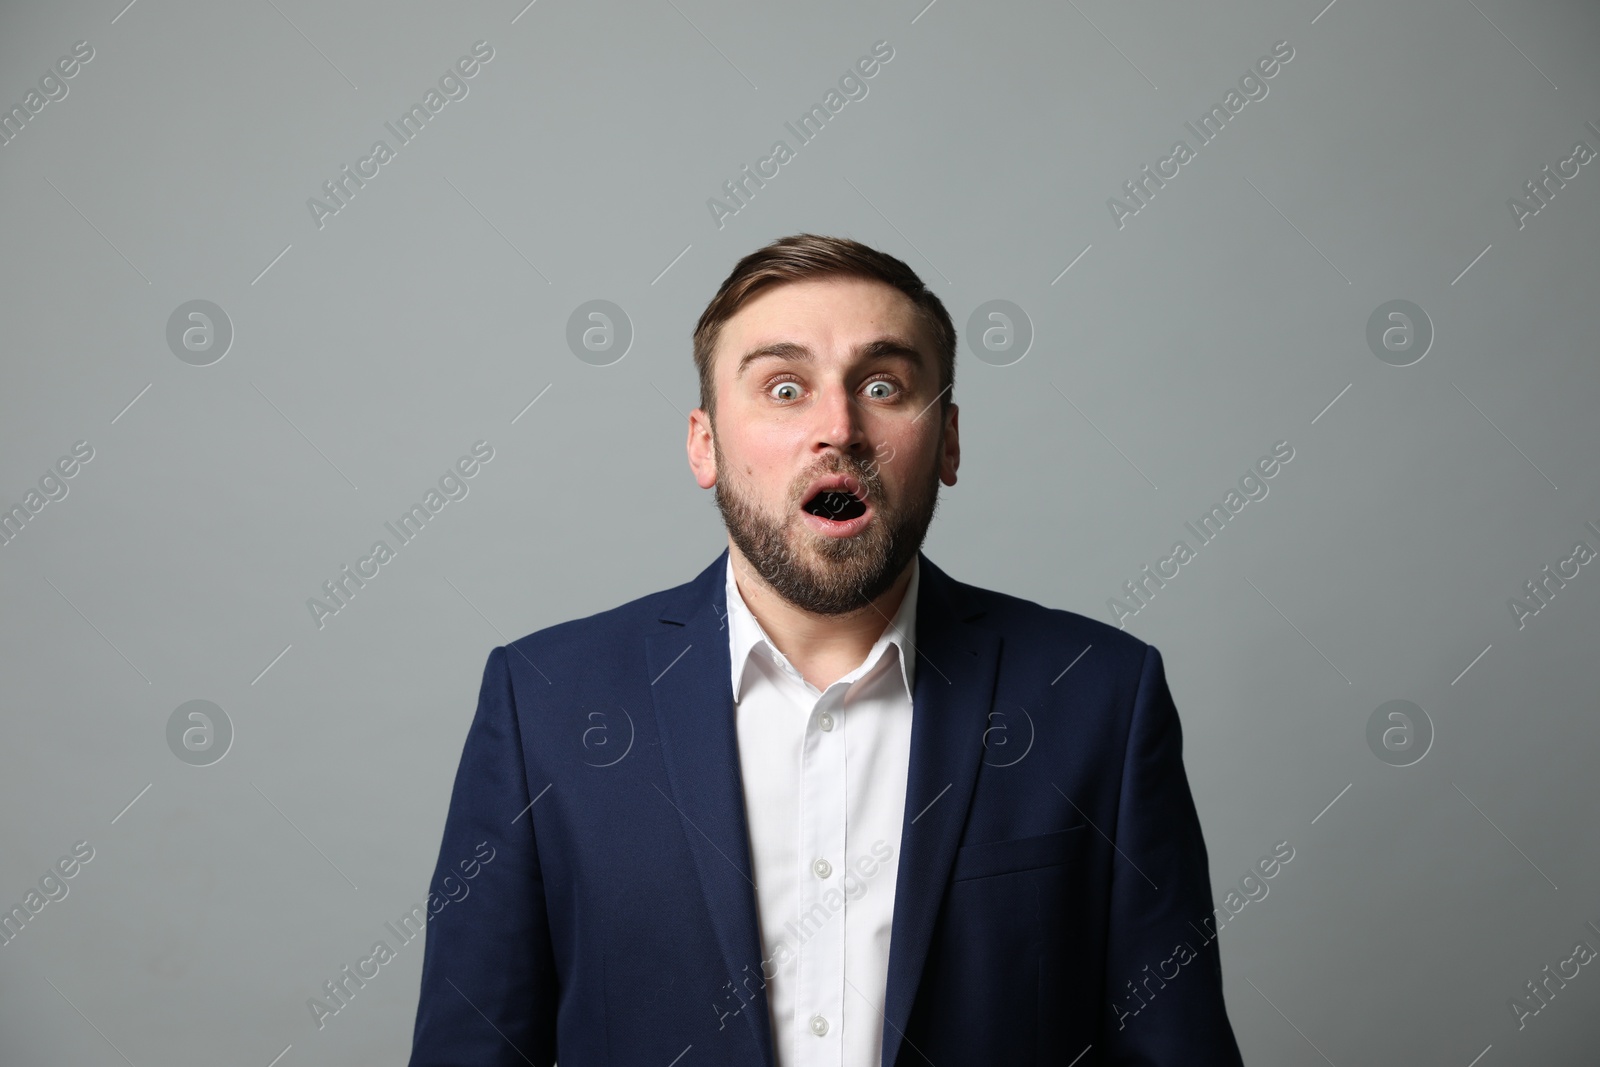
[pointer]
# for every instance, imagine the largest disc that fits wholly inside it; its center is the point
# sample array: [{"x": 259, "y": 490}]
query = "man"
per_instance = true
[{"x": 824, "y": 804}]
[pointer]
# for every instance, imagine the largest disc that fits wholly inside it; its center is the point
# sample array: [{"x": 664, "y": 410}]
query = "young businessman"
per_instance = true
[{"x": 841, "y": 808}]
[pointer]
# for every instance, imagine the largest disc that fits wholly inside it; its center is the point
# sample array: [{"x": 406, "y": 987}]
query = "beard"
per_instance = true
[{"x": 825, "y": 575}]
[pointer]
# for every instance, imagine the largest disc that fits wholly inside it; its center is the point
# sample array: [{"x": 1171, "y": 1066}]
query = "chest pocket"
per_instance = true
[{"x": 990, "y": 858}]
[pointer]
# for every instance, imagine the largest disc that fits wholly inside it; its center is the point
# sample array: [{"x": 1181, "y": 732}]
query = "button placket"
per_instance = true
[
  {"x": 854, "y": 795},
  {"x": 819, "y": 980}
]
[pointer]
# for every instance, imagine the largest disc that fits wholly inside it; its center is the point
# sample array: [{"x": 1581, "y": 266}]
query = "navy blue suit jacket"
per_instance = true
[{"x": 1051, "y": 874}]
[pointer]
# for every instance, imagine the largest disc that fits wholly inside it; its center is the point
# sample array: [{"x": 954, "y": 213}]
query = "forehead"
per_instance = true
[{"x": 822, "y": 314}]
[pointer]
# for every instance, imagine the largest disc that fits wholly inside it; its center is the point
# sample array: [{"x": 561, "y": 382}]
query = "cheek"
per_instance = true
[
  {"x": 903, "y": 459},
  {"x": 766, "y": 463}
]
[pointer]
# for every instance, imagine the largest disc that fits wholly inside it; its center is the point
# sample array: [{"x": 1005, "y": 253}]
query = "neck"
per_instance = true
[{"x": 823, "y": 648}]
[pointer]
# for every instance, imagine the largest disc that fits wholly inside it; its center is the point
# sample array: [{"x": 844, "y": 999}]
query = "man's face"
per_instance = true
[{"x": 831, "y": 378}]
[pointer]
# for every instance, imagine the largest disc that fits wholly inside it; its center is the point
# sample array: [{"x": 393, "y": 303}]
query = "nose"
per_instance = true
[{"x": 839, "y": 422}]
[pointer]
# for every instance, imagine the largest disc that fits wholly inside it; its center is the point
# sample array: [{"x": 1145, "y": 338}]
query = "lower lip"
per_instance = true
[{"x": 835, "y": 528}]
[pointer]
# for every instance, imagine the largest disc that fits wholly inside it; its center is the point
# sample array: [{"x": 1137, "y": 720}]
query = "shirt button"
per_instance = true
[
  {"x": 825, "y": 721},
  {"x": 819, "y": 1025},
  {"x": 823, "y": 869}
]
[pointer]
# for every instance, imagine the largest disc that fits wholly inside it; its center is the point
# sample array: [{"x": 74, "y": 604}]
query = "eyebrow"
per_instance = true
[{"x": 882, "y": 348}]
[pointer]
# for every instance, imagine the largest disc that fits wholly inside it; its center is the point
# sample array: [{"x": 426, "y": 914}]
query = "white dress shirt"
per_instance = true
[{"x": 824, "y": 790}]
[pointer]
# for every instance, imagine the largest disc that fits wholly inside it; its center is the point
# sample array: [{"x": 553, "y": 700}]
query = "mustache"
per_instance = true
[{"x": 868, "y": 475}]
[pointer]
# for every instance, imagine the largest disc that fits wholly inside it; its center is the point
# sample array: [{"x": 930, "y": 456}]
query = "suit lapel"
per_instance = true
[
  {"x": 954, "y": 690},
  {"x": 689, "y": 668},
  {"x": 689, "y": 681}
]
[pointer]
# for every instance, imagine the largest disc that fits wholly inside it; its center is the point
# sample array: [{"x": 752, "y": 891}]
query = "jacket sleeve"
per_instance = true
[
  {"x": 1164, "y": 971},
  {"x": 488, "y": 974}
]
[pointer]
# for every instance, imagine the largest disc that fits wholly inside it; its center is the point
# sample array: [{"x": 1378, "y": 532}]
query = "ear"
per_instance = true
[
  {"x": 950, "y": 457},
  {"x": 702, "y": 457}
]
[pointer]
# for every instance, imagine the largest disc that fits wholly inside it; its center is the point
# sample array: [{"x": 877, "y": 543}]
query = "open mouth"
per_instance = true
[{"x": 836, "y": 505}]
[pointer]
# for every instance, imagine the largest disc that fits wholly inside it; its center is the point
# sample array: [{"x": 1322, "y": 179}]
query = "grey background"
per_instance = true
[{"x": 1228, "y": 315}]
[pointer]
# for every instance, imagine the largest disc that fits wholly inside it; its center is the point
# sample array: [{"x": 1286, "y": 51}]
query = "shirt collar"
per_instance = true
[{"x": 745, "y": 634}]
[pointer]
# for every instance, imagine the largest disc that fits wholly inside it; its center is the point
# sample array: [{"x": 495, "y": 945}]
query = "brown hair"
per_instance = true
[{"x": 804, "y": 256}]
